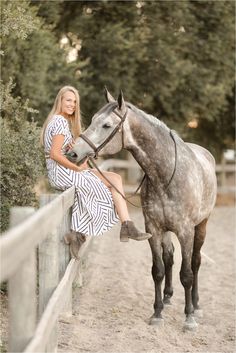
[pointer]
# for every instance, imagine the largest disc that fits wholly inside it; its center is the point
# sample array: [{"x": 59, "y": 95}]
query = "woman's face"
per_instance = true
[{"x": 68, "y": 103}]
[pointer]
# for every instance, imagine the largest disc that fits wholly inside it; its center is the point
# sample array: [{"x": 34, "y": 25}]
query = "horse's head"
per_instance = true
[{"x": 104, "y": 135}]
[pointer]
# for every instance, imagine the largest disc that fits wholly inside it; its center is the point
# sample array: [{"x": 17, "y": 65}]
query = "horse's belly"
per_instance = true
[{"x": 192, "y": 204}]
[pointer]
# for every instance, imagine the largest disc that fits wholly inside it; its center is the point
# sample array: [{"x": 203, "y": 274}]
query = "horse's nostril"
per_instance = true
[{"x": 73, "y": 155}]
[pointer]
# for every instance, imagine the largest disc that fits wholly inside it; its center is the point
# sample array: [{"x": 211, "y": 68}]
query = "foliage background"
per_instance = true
[{"x": 173, "y": 59}]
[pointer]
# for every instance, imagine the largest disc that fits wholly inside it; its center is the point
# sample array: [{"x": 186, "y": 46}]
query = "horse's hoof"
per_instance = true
[
  {"x": 198, "y": 313},
  {"x": 156, "y": 321},
  {"x": 167, "y": 301},
  {"x": 190, "y": 324}
]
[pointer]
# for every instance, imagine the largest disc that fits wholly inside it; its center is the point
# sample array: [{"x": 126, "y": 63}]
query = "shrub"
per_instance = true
[{"x": 21, "y": 155}]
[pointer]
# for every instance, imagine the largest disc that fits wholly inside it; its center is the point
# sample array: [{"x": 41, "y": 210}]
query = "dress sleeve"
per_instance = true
[{"x": 60, "y": 126}]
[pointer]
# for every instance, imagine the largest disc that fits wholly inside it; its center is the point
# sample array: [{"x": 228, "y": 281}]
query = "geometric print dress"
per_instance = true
[{"x": 93, "y": 211}]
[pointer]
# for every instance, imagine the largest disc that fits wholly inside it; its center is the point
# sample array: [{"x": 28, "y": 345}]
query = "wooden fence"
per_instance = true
[
  {"x": 46, "y": 273},
  {"x": 223, "y": 172}
]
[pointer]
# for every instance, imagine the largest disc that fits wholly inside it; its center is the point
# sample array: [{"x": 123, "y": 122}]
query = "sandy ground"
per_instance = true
[{"x": 112, "y": 308}]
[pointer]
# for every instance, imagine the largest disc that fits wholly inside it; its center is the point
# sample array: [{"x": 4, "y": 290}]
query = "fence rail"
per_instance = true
[
  {"x": 18, "y": 242},
  {"x": 134, "y": 172},
  {"x": 44, "y": 229}
]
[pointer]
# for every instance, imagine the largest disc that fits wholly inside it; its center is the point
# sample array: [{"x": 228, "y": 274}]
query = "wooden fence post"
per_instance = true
[
  {"x": 48, "y": 271},
  {"x": 53, "y": 259},
  {"x": 64, "y": 259},
  {"x": 22, "y": 292}
]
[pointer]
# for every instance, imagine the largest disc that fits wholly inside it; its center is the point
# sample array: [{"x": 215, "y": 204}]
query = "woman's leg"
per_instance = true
[
  {"x": 120, "y": 203},
  {"x": 128, "y": 229}
]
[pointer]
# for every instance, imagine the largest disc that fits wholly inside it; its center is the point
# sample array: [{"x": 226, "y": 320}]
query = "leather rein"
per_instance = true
[{"x": 91, "y": 158}]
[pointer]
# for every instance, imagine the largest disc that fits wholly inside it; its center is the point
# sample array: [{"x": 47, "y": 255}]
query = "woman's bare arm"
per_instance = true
[{"x": 56, "y": 155}]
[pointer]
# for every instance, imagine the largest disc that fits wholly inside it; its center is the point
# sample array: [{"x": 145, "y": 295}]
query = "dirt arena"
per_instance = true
[{"x": 112, "y": 308}]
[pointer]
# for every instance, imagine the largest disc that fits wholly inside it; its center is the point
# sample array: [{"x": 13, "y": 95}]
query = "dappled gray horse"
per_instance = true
[{"x": 178, "y": 193}]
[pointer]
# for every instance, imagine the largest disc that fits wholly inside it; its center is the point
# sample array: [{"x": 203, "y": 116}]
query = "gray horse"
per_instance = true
[{"x": 178, "y": 193}]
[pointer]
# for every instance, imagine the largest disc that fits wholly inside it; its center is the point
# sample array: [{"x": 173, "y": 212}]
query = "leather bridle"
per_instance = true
[{"x": 108, "y": 139}]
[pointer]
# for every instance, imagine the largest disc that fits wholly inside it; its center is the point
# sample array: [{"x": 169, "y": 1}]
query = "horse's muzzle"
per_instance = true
[{"x": 72, "y": 156}]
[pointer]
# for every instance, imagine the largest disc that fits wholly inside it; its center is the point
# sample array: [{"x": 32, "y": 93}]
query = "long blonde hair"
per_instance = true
[{"x": 56, "y": 109}]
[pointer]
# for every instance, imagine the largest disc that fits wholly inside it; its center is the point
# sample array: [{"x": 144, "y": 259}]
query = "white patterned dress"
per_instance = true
[{"x": 93, "y": 212}]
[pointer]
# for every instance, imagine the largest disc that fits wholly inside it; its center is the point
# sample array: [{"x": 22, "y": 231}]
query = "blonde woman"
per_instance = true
[{"x": 97, "y": 206}]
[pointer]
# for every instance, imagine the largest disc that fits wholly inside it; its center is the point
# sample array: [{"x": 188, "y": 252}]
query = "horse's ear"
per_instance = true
[
  {"x": 108, "y": 96},
  {"x": 120, "y": 100}
]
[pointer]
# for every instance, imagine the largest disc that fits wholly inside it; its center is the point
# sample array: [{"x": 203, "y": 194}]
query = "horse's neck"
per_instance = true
[{"x": 152, "y": 146}]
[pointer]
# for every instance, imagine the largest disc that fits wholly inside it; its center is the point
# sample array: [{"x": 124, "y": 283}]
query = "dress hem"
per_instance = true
[{"x": 99, "y": 234}]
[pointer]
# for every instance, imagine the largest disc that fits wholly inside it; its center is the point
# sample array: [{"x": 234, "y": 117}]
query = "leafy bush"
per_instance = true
[{"x": 21, "y": 155}]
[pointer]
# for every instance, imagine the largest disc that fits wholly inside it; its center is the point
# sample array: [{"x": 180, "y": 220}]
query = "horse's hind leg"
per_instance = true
[
  {"x": 200, "y": 233},
  {"x": 168, "y": 258}
]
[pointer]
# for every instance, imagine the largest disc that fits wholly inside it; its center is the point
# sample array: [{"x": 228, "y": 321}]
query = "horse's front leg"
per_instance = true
[
  {"x": 158, "y": 272},
  {"x": 186, "y": 276}
]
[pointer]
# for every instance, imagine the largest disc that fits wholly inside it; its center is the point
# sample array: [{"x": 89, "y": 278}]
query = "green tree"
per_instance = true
[
  {"x": 110, "y": 48},
  {"x": 17, "y": 22},
  {"x": 21, "y": 157},
  {"x": 21, "y": 160},
  {"x": 189, "y": 78},
  {"x": 165, "y": 55},
  {"x": 34, "y": 60}
]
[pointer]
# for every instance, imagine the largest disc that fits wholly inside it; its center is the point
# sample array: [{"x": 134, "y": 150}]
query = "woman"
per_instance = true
[{"x": 93, "y": 211}]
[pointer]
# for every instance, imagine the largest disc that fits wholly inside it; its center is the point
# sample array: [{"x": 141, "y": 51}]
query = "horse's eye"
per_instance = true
[{"x": 106, "y": 126}]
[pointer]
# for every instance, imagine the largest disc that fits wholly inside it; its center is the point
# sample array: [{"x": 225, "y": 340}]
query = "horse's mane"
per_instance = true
[{"x": 154, "y": 120}]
